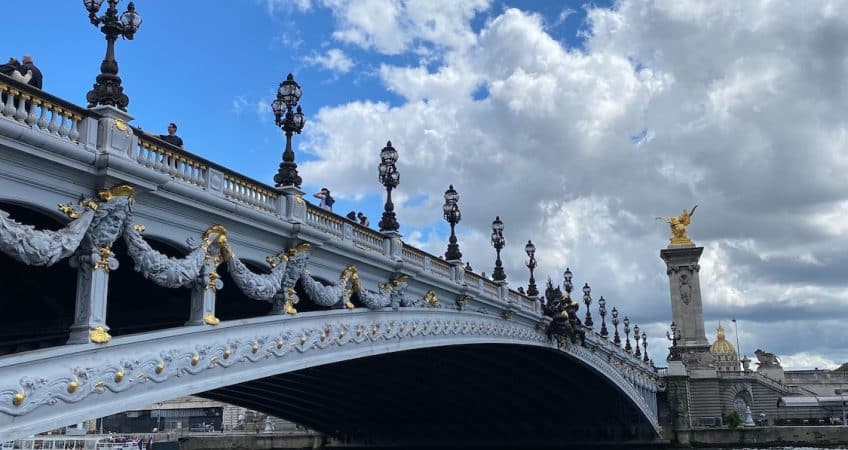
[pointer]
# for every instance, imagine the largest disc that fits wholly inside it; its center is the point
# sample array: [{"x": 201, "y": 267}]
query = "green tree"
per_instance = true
[
  {"x": 843, "y": 368},
  {"x": 733, "y": 419}
]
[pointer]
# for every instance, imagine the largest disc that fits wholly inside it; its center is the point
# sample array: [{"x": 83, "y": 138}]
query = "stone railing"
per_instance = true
[
  {"x": 368, "y": 239},
  {"x": 154, "y": 154},
  {"x": 441, "y": 268},
  {"x": 241, "y": 190},
  {"x": 413, "y": 256},
  {"x": 41, "y": 111},
  {"x": 325, "y": 220}
]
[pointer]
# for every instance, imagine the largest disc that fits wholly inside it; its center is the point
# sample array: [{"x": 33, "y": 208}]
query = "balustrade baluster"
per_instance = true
[
  {"x": 30, "y": 119},
  {"x": 20, "y": 112},
  {"x": 42, "y": 117},
  {"x": 75, "y": 134},
  {"x": 63, "y": 125},
  {"x": 52, "y": 126},
  {"x": 9, "y": 107}
]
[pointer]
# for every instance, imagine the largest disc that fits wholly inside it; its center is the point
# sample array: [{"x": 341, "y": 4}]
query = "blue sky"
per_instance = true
[{"x": 577, "y": 122}]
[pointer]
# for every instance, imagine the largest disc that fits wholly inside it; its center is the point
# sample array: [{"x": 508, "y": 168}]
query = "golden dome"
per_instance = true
[{"x": 721, "y": 346}]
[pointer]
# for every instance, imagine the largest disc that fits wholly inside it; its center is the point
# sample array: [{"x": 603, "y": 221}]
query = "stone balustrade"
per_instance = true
[{"x": 40, "y": 111}]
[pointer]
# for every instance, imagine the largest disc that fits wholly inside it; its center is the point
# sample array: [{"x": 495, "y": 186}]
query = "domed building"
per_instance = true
[{"x": 725, "y": 357}]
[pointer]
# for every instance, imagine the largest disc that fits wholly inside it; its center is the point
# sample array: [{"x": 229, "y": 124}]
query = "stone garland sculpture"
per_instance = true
[
  {"x": 43, "y": 247},
  {"x": 390, "y": 294},
  {"x": 263, "y": 287},
  {"x": 168, "y": 271},
  {"x": 333, "y": 293}
]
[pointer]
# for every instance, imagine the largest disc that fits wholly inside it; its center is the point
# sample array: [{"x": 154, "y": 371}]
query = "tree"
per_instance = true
[
  {"x": 733, "y": 419},
  {"x": 842, "y": 368}
]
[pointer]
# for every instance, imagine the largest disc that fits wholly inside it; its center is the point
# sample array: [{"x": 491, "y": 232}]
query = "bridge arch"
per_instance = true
[{"x": 243, "y": 357}]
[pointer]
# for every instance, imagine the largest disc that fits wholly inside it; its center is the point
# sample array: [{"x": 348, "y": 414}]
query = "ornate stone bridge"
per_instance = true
[{"x": 135, "y": 272}]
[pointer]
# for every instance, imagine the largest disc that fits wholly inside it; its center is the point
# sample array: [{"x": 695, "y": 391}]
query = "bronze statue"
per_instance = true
[{"x": 678, "y": 226}]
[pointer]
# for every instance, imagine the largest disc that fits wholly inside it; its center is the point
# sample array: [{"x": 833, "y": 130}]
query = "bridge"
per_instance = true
[{"x": 135, "y": 272}]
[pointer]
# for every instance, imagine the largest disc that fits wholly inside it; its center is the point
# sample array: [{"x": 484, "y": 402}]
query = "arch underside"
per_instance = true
[{"x": 497, "y": 394}]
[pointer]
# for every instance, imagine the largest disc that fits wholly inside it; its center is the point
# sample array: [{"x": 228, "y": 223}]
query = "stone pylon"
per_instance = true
[{"x": 687, "y": 311}]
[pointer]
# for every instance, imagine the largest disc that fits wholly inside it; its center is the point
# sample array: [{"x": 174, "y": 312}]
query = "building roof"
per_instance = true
[{"x": 721, "y": 346}]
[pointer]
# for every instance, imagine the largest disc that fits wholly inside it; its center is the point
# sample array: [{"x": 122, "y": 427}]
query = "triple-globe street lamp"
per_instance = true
[
  {"x": 616, "y": 338},
  {"x": 602, "y": 310},
  {"x": 107, "y": 88},
  {"x": 530, "y": 249},
  {"x": 587, "y": 300},
  {"x": 498, "y": 242},
  {"x": 637, "y": 336},
  {"x": 390, "y": 178},
  {"x": 452, "y": 215},
  {"x": 291, "y": 121}
]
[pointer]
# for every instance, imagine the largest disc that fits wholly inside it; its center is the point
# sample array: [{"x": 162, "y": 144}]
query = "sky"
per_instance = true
[{"x": 576, "y": 122}]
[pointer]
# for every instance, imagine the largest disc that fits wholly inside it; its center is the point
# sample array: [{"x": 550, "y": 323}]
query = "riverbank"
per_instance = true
[{"x": 782, "y": 436}]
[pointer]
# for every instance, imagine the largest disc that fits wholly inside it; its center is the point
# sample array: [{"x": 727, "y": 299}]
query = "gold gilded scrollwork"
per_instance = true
[
  {"x": 68, "y": 210},
  {"x": 160, "y": 368},
  {"x": 121, "y": 190},
  {"x": 98, "y": 335},
  {"x": 119, "y": 376},
  {"x": 462, "y": 300},
  {"x": 298, "y": 248},
  {"x": 121, "y": 125},
  {"x": 431, "y": 299},
  {"x": 72, "y": 386},
  {"x": 140, "y": 228},
  {"x": 103, "y": 262},
  {"x": 210, "y": 319},
  {"x": 195, "y": 359},
  {"x": 299, "y": 200},
  {"x": 350, "y": 276},
  {"x": 289, "y": 306},
  {"x": 18, "y": 398}
]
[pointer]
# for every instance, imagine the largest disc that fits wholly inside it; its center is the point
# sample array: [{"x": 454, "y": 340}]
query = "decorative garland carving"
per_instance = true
[
  {"x": 110, "y": 217},
  {"x": 334, "y": 293},
  {"x": 390, "y": 294},
  {"x": 43, "y": 247}
]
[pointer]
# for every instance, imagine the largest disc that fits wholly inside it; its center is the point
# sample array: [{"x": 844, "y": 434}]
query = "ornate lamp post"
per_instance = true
[
  {"x": 616, "y": 339},
  {"x": 567, "y": 281},
  {"x": 530, "y": 249},
  {"x": 107, "y": 87},
  {"x": 602, "y": 310},
  {"x": 291, "y": 121},
  {"x": 587, "y": 300},
  {"x": 636, "y": 335},
  {"x": 498, "y": 243},
  {"x": 645, "y": 346},
  {"x": 452, "y": 216},
  {"x": 390, "y": 178},
  {"x": 675, "y": 334},
  {"x": 627, "y": 346}
]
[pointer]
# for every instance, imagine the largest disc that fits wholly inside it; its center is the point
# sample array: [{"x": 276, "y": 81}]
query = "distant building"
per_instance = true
[{"x": 725, "y": 357}]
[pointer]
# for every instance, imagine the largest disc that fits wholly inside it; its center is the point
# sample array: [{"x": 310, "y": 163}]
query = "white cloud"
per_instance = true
[
  {"x": 393, "y": 26},
  {"x": 746, "y": 103},
  {"x": 239, "y": 103},
  {"x": 333, "y": 59}
]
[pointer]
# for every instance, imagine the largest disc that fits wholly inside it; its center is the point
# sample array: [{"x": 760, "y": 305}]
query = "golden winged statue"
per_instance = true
[{"x": 678, "y": 226}]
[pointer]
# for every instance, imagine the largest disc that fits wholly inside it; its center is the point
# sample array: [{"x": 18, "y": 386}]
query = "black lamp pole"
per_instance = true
[
  {"x": 107, "y": 87},
  {"x": 390, "y": 178},
  {"x": 616, "y": 339},
  {"x": 645, "y": 346},
  {"x": 530, "y": 249},
  {"x": 587, "y": 300},
  {"x": 452, "y": 215},
  {"x": 627, "y": 346},
  {"x": 498, "y": 243},
  {"x": 566, "y": 277},
  {"x": 291, "y": 121},
  {"x": 637, "y": 336},
  {"x": 602, "y": 310},
  {"x": 675, "y": 334}
]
